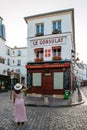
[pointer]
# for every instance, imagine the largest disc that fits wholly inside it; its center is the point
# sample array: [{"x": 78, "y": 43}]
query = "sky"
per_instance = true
[{"x": 14, "y": 11}]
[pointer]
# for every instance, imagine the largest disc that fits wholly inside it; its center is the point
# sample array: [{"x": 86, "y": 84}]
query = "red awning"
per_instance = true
[{"x": 47, "y": 65}]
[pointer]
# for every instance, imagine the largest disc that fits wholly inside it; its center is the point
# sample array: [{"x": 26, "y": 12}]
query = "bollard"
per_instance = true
[
  {"x": 79, "y": 95},
  {"x": 46, "y": 102},
  {"x": 70, "y": 100}
]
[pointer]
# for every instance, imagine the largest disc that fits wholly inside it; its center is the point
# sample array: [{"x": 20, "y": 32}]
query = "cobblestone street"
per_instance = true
[{"x": 44, "y": 118}]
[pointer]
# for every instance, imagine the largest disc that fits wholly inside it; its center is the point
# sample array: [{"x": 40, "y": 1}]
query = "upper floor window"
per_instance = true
[
  {"x": 39, "y": 54},
  {"x": 18, "y": 71},
  {"x": 19, "y": 62},
  {"x": 19, "y": 53},
  {"x": 8, "y": 52},
  {"x": 2, "y": 60},
  {"x": 57, "y": 26},
  {"x": 56, "y": 52},
  {"x": 13, "y": 61},
  {"x": 13, "y": 52},
  {"x": 8, "y": 61},
  {"x": 39, "y": 29}
]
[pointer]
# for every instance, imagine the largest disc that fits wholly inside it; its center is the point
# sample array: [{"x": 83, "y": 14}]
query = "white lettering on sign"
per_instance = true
[{"x": 49, "y": 41}]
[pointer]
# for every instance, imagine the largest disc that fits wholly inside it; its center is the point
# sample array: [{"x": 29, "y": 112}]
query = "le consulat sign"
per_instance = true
[{"x": 48, "y": 41}]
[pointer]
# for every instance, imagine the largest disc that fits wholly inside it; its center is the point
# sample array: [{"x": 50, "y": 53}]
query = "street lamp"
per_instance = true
[
  {"x": 73, "y": 69},
  {"x": 12, "y": 77}
]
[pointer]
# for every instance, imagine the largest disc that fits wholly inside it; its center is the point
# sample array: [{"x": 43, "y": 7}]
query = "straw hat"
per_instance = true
[{"x": 18, "y": 86}]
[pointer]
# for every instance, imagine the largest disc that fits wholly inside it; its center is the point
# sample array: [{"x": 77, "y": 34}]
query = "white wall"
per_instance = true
[
  {"x": 66, "y": 24},
  {"x": 2, "y": 55}
]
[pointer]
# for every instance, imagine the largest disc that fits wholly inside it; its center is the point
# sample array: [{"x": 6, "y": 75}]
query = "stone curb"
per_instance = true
[
  {"x": 68, "y": 105},
  {"x": 61, "y": 105}
]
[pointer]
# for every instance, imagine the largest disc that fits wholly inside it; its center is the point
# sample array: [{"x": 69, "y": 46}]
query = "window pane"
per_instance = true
[
  {"x": 58, "y": 80},
  {"x": 54, "y": 26},
  {"x": 59, "y": 26},
  {"x": 19, "y": 53},
  {"x": 37, "y": 29},
  {"x": 37, "y": 54},
  {"x": 36, "y": 79},
  {"x": 42, "y": 28}
]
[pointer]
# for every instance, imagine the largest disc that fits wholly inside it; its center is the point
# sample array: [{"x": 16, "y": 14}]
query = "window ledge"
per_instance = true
[
  {"x": 38, "y": 59},
  {"x": 38, "y": 34},
  {"x": 56, "y": 32},
  {"x": 57, "y": 58}
]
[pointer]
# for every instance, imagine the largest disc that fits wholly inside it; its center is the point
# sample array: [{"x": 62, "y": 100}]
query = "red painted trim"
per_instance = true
[{"x": 47, "y": 65}]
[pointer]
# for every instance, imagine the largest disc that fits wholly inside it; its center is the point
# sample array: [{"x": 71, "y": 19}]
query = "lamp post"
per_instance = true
[
  {"x": 77, "y": 79},
  {"x": 12, "y": 77},
  {"x": 73, "y": 69}
]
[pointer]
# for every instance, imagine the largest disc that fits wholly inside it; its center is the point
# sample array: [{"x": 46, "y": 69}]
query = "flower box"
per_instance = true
[
  {"x": 57, "y": 58},
  {"x": 38, "y": 59},
  {"x": 56, "y": 32}
]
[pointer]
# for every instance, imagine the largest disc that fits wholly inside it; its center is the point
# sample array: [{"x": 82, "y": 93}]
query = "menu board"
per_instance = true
[{"x": 66, "y": 80}]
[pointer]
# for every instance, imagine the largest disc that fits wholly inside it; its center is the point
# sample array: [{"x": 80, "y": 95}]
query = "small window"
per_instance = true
[
  {"x": 19, "y": 62},
  {"x": 40, "y": 29},
  {"x": 39, "y": 52},
  {"x": 19, "y": 53},
  {"x": 8, "y": 52},
  {"x": 57, "y": 25},
  {"x": 13, "y": 61},
  {"x": 56, "y": 51},
  {"x": 17, "y": 70},
  {"x": 2, "y": 61},
  {"x": 13, "y": 52},
  {"x": 8, "y": 61}
]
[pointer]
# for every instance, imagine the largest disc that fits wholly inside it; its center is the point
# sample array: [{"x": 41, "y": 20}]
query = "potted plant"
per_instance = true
[
  {"x": 55, "y": 31},
  {"x": 39, "y": 34}
]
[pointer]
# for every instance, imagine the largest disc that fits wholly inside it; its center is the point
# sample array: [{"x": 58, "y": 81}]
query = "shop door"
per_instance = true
[{"x": 47, "y": 84}]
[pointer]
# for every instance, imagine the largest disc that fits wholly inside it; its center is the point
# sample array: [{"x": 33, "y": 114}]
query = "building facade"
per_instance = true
[
  {"x": 16, "y": 59},
  {"x": 12, "y": 62},
  {"x": 48, "y": 64},
  {"x": 3, "y": 73},
  {"x": 50, "y": 42}
]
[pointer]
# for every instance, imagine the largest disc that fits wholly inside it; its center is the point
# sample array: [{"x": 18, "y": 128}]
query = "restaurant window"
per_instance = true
[
  {"x": 58, "y": 80},
  {"x": 38, "y": 54},
  {"x": 56, "y": 51},
  {"x": 36, "y": 79}
]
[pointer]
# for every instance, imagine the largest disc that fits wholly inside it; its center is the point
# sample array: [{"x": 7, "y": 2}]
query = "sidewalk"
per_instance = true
[{"x": 50, "y": 101}]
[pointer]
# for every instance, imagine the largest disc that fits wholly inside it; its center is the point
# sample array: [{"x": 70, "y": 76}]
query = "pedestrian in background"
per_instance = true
[{"x": 19, "y": 106}]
